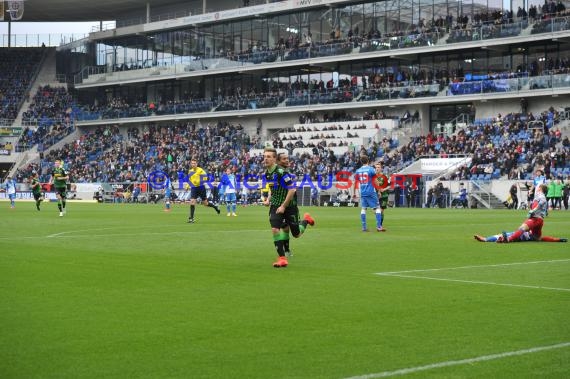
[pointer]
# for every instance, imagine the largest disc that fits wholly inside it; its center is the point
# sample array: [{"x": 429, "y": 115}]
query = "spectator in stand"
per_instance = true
[
  {"x": 566, "y": 192},
  {"x": 555, "y": 190}
]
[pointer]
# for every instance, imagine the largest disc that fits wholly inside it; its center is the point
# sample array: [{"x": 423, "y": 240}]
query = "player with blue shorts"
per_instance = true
[
  {"x": 167, "y": 194},
  {"x": 10, "y": 188},
  {"x": 228, "y": 185},
  {"x": 364, "y": 179}
]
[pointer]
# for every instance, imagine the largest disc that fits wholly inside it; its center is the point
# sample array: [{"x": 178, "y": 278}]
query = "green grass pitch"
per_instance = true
[{"x": 129, "y": 291}]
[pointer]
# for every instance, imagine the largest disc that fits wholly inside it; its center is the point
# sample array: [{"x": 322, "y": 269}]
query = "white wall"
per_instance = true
[{"x": 536, "y": 105}]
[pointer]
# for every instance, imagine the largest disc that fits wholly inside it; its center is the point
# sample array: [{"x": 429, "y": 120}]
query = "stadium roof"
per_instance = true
[{"x": 85, "y": 10}]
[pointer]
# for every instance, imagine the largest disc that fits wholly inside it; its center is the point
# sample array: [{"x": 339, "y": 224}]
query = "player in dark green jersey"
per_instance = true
[
  {"x": 282, "y": 205},
  {"x": 383, "y": 188},
  {"x": 59, "y": 178},
  {"x": 37, "y": 189},
  {"x": 283, "y": 162}
]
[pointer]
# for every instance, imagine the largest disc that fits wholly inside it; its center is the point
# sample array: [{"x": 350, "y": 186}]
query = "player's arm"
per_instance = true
[
  {"x": 386, "y": 188},
  {"x": 536, "y": 205},
  {"x": 288, "y": 183},
  {"x": 356, "y": 187},
  {"x": 267, "y": 198},
  {"x": 290, "y": 194}
]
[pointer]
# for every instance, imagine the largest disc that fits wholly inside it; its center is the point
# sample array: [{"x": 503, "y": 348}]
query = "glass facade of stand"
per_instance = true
[{"x": 395, "y": 23}]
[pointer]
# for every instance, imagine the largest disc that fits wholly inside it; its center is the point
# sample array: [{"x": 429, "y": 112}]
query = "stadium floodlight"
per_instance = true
[{"x": 15, "y": 9}]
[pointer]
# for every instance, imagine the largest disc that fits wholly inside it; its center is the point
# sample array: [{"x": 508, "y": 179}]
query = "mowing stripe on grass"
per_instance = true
[
  {"x": 479, "y": 282},
  {"x": 476, "y": 266},
  {"x": 482, "y": 358}
]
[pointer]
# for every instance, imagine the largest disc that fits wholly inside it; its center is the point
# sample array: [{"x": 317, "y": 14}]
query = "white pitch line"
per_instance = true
[
  {"x": 138, "y": 227},
  {"x": 482, "y": 358},
  {"x": 475, "y": 266},
  {"x": 478, "y": 282},
  {"x": 155, "y": 233},
  {"x": 69, "y": 234}
]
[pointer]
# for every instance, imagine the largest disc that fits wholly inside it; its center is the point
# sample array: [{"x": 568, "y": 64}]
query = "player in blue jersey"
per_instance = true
[
  {"x": 167, "y": 194},
  {"x": 364, "y": 180},
  {"x": 10, "y": 188},
  {"x": 228, "y": 186}
]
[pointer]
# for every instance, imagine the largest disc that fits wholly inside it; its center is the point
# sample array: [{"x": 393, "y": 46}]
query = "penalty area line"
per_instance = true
[
  {"x": 477, "y": 282},
  {"x": 474, "y": 266},
  {"x": 483, "y": 358}
]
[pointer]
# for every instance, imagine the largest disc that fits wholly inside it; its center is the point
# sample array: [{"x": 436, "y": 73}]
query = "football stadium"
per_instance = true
[{"x": 285, "y": 189}]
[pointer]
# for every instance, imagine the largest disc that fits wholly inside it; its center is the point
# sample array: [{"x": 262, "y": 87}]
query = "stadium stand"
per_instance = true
[
  {"x": 18, "y": 67},
  {"x": 148, "y": 101}
]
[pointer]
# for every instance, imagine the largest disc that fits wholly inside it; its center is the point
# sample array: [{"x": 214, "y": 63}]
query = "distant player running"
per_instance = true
[
  {"x": 59, "y": 178},
  {"x": 198, "y": 178},
  {"x": 10, "y": 188},
  {"x": 37, "y": 189}
]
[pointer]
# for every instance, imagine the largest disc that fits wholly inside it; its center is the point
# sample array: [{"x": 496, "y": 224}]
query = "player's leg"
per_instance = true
[
  {"x": 287, "y": 230},
  {"x": 552, "y": 239},
  {"x": 193, "y": 197},
  {"x": 364, "y": 200},
  {"x": 37, "y": 198},
  {"x": 204, "y": 197},
  {"x": 480, "y": 238},
  {"x": 373, "y": 203},
  {"x": 379, "y": 212},
  {"x": 234, "y": 204},
  {"x": 517, "y": 233},
  {"x": 63, "y": 199},
  {"x": 383, "y": 206},
  {"x": 493, "y": 238},
  {"x": 276, "y": 221},
  {"x": 12, "y": 198},
  {"x": 228, "y": 205},
  {"x": 363, "y": 219},
  {"x": 59, "y": 203},
  {"x": 298, "y": 227},
  {"x": 167, "y": 202},
  {"x": 212, "y": 205}
]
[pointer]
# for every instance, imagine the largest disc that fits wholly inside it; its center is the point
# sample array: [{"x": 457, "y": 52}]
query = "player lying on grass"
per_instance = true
[
  {"x": 525, "y": 237},
  {"x": 535, "y": 221}
]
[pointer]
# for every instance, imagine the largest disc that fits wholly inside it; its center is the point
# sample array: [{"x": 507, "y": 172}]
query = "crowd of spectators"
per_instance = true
[
  {"x": 17, "y": 68},
  {"x": 508, "y": 146},
  {"x": 505, "y": 146},
  {"x": 382, "y": 83},
  {"x": 51, "y": 114}
]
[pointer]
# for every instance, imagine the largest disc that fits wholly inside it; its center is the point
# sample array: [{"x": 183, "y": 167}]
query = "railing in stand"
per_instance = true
[{"x": 481, "y": 194}]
